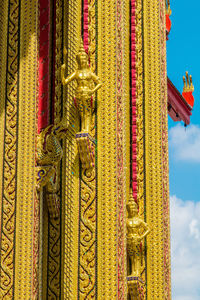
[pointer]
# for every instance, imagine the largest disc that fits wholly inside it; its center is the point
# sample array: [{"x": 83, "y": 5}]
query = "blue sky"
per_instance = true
[{"x": 183, "y": 54}]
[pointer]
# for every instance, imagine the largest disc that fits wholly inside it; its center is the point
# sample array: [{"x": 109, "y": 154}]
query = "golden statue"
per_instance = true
[
  {"x": 87, "y": 84},
  {"x": 137, "y": 229}
]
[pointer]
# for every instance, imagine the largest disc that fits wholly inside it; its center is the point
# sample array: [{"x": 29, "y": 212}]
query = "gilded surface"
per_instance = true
[
  {"x": 86, "y": 148},
  {"x": 140, "y": 120},
  {"x": 137, "y": 229},
  {"x": 70, "y": 173},
  {"x": 88, "y": 198},
  {"x": 87, "y": 84},
  {"x": 109, "y": 210},
  {"x": 53, "y": 276},
  {"x": 136, "y": 288},
  {"x": 122, "y": 117},
  {"x": 8, "y": 195},
  {"x": 140, "y": 107},
  {"x": 24, "y": 260},
  {"x": 3, "y": 59},
  {"x": 49, "y": 153},
  {"x": 107, "y": 152},
  {"x": 153, "y": 149},
  {"x": 165, "y": 163}
]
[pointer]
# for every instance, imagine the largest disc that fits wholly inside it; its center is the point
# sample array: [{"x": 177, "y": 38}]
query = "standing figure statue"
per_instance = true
[
  {"x": 137, "y": 229},
  {"x": 87, "y": 84}
]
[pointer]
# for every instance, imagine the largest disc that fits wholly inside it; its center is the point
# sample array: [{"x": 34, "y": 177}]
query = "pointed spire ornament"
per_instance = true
[{"x": 188, "y": 89}]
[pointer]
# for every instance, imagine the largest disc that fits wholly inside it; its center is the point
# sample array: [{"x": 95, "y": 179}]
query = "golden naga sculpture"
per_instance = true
[
  {"x": 49, "y": 154},
  {"x": 137, "y": 229},
  {"x": 87, "y": 84}
]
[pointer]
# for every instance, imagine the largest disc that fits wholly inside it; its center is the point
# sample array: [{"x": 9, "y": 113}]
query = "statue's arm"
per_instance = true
[
  {"x": 97, "y": 82},
  {"x": 69, "y": 78},
  {"x": 146, "y": 230}
]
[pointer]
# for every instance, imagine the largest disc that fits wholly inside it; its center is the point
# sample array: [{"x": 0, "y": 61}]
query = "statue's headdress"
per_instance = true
[
  {"x": 81, "y": 51},
  {"x": 131, "y": 200}
]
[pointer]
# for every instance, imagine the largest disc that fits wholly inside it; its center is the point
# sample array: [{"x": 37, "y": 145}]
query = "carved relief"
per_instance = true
[
  {"x": 137, "y": 230},
  {"x": 49, "y": 154},
  {"x": 86, "y": 148},
  {"x": 87, "y": 84}
]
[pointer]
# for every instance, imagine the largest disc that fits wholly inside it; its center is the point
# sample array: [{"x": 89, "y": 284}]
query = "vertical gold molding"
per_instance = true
[
  {"x": 26, "y": 149},
  {"x": 113, "y": 143},
  {"x": 140, "y": 141},
  {"x": 165, "y": 163},
  {"x": 9, "y": 178},
  {"x": 126, "y": 142},
  {"x": 87, "y": 279},
  {"x": 123, "y": 136},
  {"x": 70, "y": 173},
  {"x": 107, "y": 152},
  {"x": 153, "y": 149},
  {"x": 126, "y": 96},
  {"x": 3, "y": 59},
  {"x": 140, "y": 107},
  {"x": 54, "y": 238}
]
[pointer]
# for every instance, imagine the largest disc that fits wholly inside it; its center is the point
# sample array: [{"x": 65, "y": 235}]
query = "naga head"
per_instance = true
[{"x": 82, "y": 57}]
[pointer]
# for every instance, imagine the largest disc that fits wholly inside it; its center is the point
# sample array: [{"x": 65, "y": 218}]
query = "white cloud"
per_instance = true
[
  {"x": 194, "y": 228},
  {"x": 185, "y": 249},
  {"x": 184, "y": 143}
]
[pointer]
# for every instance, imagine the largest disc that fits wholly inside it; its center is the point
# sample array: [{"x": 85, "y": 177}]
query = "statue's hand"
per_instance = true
[
  {"x": 91, "y": 92},
  {"x": 63, "y": 67}
]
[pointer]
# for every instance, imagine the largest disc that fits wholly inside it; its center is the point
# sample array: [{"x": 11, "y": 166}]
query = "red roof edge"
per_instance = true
[{"x": 178, "y": 108}]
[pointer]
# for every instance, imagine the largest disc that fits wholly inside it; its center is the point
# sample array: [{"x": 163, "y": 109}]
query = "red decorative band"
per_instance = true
[
  {"x": 43, "y": 103},
  {"x": 85, "y": 25},
  {"x": 133, "y": 100}
]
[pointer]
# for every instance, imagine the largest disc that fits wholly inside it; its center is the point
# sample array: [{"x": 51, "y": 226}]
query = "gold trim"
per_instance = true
[
  {"x": 153, "y": 149},
  {"x": 126, "y": 96},
  {"x": 165, "y": 162},
  {"x": 3, "y": 59},
  {"x": 88, "y": 200},
  {"x": 140, "y": 121},
  {"x": 26, "y": 149},
  {"x": 8, "y": 187},
  {"x": 123, "y": 137},
  {"x": 126, "y": 142},
  {"x": 107, "y": 152},
  {"x": 45, "y": 232},
  {"x": 70, "y": 172}
]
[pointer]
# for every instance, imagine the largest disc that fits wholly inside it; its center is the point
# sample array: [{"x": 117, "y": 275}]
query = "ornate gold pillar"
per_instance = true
[
  {"x": 18, "y": 104},
  {"x": 113, "y": 132},
  {"x": 156, "y": 150}
]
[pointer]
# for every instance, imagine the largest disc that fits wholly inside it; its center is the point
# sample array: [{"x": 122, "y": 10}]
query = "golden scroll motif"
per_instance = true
[
  {"x": 88, "y": 185},
  {"x": 10, "y": 140},
  {"x": 52, "y": 226}
]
